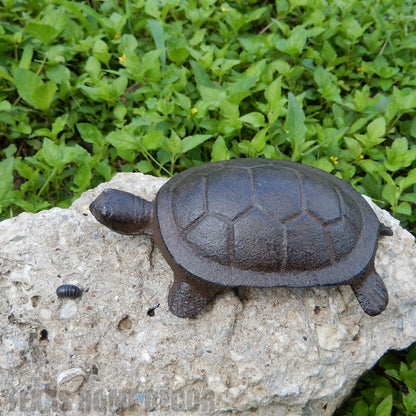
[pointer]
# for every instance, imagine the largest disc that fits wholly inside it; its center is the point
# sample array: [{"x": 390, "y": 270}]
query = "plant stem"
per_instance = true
[{"x": 52, "y": 174}]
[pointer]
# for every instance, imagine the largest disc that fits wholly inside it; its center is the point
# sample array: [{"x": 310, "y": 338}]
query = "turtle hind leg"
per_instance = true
[
  {"x": 188, "y": 296},
  {"x": 371, "y": 293}
]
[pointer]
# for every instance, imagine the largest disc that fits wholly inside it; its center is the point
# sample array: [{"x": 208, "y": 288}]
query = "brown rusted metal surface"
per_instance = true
[{"x": 255, "y": 222}]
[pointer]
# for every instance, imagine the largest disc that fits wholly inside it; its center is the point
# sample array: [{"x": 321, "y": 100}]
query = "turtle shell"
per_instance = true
[{"x": 264, "y": 223}]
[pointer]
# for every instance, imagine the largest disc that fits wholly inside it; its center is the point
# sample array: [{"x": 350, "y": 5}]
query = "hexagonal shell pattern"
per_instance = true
[{"x": 262, "y": 222}]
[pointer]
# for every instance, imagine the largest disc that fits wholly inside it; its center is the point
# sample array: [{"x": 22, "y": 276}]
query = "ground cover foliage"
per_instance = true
[{"x": 95, "y": 87}]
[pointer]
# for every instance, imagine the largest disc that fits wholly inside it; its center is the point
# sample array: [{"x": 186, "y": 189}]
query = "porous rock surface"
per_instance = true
[{"x": 118, "y": 350}]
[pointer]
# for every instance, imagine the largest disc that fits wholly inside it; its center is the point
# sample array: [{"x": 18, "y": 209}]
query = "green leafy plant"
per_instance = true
[
  {"x": 158, "y": 87},
  {"x": 388, "y": 389}
]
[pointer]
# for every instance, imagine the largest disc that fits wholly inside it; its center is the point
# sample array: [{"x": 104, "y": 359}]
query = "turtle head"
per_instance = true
[{"x": 123, "y": 212}]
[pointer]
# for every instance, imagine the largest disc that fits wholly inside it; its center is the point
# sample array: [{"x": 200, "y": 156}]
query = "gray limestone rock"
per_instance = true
[{"x": 118, "y": 350}]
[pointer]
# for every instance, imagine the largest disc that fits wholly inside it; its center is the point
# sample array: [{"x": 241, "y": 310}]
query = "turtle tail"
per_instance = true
[{"x": 385, "y": 230}]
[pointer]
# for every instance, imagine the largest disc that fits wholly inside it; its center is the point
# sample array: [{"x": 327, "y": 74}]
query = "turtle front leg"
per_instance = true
[
  {"x": 371, "y": 293},
  {"x": 188, "y": 296}
]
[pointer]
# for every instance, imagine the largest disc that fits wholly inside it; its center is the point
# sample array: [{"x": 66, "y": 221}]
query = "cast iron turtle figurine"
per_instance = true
[{"x": 254, "y": 222}]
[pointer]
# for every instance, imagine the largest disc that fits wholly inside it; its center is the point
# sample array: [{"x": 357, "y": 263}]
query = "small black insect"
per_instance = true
[
  {"x": 43, "y": 335},
  {"x": 68, "y": 291},
  {"x": 151, "y": 311}
]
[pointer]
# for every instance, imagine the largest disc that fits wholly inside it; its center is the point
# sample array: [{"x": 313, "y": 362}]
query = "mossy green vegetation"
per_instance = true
[
  {"x": 91, "y": 88},
  {"x": 388, "y": 389}
]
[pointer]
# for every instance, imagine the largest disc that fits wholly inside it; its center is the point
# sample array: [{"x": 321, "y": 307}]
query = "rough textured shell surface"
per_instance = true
[{"x": 262, "y": 222}]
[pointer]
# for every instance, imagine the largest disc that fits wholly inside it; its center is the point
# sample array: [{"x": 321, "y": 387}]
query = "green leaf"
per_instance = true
[
  {"x": 91, "y": 134},
  {"x": 370, "y": 166},
  {"x": 409, "y": 198},
  {"x": 380, "y": 67},
  {"x": 120, "y": 111},
  {"x": 403, "y": 208},
  {"x": 104, "y": 170},
  {"x": 152, "y": 139},
  {"x": 84, "y": 13},
  {"x": 385, "y": 407},
  {"x": 52, "y": 153},
  {"x": 241, "y": 88},
  {"x": 201, "y": 76},
  {"x": 82, "y": 177},
  {"x": 123, "y": 140},
  {"x": 191, "y": 142},
  {"x": 4, "y": 74},
  {"x": 166, "y": 106},
  {"x": 398, "y": 155},
  {"x": 328, "y": 52},
  {"x": 45, "y": 33},
  {"x": 74, "y": 154},
  {"x": 58, "y": 125},
  {"x": 256, "y": 14},
  {"x": 26, "y": 83},
  {"x": 177, "y": 55},
  {"x": 93, "y": 67},
  {"x": 409, "y": 401},
  {"x": 325, "y": 85},
  {"x": 43, "y": 96},
  {"x": 352, "y": 28},
  {"x": 360, "y": 408},
  {"x": 354, "y": 148},
  {"x": 273, "y": 92},
  {"x": 152, "y": 9},
  {"x": 408, "y": 181},
  {"x": 197, "y": 37},
  {"x": 156, "y": 28},
  {"x": 10, "y": 150},
  {"x": 173, "y": 144},
  {"x": 33, "y": 90},
  {"x": 259, "y": 140},
  {"x": 229, "y": 110},
  {"x": 23, "y": 169},
  {"x": 255, "y": 70},
  {"x": 359, "y": 124},
  {"x": 294, "y": 44},
  {"x": 100, "y": 51},
  {"x": 6, "y": 181},
  {"x": 59, "y": 73},
  {"x": 150, "y": 64},
  {"x": 219, "y": 150},
  {"x": 254, "y": 119},
  {"x": 119, "y": 85},
  {"x": 5, "y": 106},
  {"x": 391, "y": 194},
  {"x": 128, "y": 43},
  {"x": 27, "y": 56},
  {"x": 376, "y": 128},
  {"x": 405, "y": 99},
  {"x": 144, "y": 166},
  {"x": 324, "y": 164},
  {"x": 213, "y": 97},
  {"x": 183, "y": 101},
  {"x": 295, "y": 126}
]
